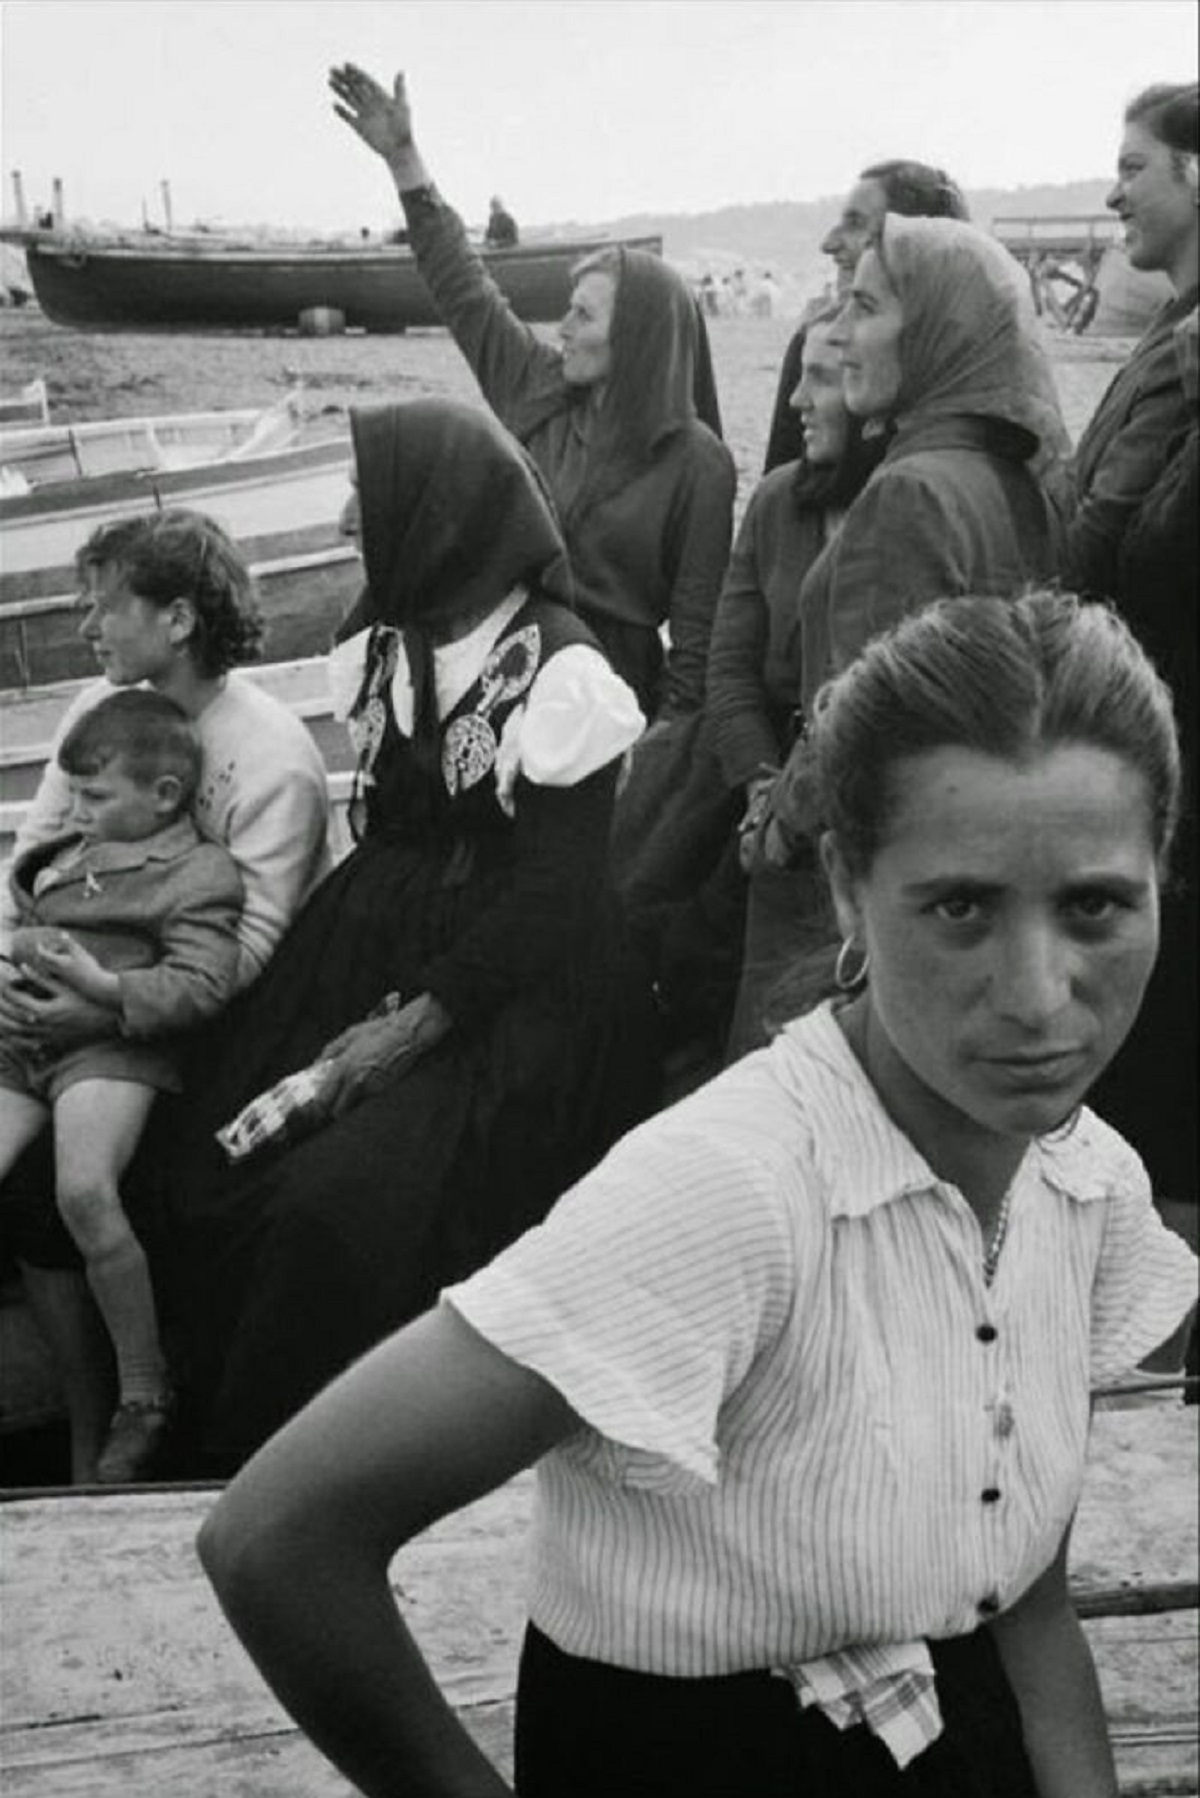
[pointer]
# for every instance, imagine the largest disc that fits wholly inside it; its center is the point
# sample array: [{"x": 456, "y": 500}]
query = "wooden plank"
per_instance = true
[{"x": 119, "y": 1676}]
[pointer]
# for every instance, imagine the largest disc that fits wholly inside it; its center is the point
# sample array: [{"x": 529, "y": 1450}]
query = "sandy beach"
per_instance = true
[{"x": 103, "y": 375}]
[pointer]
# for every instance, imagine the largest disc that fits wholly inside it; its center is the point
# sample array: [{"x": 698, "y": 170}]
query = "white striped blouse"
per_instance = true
[{"x": 808, "y": 1423}]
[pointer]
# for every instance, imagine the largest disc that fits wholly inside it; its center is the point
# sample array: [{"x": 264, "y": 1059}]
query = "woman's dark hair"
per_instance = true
[
  {"x": 1169, "y": 111},
  {"x": 185, "y": 555},
  {"x": 819, "y": 487},
  {"x": 1006, "y": 677},
  {"x": 145, "y": 731},
  {"x": 918, "y": 190}
]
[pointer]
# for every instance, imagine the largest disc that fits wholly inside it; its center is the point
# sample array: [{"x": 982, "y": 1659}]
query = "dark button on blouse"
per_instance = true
[
  {"x": 990, "y": 1495},
  {"x": 988, "y": 1605},
  {"x": 986, "y": 1333}
]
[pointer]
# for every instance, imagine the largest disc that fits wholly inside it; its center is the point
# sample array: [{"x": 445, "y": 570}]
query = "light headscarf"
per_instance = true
[{"x": 970, "y": 344}]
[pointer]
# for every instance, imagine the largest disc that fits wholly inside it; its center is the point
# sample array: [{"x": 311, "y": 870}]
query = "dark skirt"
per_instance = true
[
  {"x": 585, "y": 1730},
  {"x": 277, "y": 1271}
]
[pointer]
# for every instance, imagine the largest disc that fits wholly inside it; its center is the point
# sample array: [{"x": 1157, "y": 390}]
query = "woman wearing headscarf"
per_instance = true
[
  {"x": 613, "y": 419},
  {"x": 754, "y": 669},
  {"x": 940, "y": 345},
  {"x": 1142, "y": 423},
  {"x": 457, "y": 983}
]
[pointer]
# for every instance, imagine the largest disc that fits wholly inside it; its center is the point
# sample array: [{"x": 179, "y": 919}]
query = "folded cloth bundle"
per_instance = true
[{"x": 290, "y": 1109}]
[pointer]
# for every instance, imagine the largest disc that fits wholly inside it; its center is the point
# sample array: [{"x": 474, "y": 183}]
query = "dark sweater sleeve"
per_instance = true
[
  {"x": 785, "y": 440},
  {"x": 508, "y": 359},
  {"x": 1135, "y": 460},
  {"x": 541, "y": 923},
  {"x": 697, "y": 550},
  {"x": 737, "y": 698},
  {"x": 898, "y": 550}
]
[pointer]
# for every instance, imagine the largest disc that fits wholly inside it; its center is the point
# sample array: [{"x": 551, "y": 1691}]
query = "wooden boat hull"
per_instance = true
[
  {"x": 197, "y": 286},
  {"x": 307, "y": 574}
]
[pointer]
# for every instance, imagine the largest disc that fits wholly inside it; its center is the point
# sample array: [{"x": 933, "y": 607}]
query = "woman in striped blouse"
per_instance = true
[{"x": 805, "y": 1362}]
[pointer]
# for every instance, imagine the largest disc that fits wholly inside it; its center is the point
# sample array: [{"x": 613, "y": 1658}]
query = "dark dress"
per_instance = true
[{"x": 276, "y": 1271}]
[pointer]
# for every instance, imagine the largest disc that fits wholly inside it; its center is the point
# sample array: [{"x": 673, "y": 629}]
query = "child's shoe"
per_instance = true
[{"x": 134, "y": 1438}]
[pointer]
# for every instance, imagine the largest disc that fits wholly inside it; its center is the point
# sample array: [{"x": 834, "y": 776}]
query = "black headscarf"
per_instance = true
[{"x": 453, "y": 516}]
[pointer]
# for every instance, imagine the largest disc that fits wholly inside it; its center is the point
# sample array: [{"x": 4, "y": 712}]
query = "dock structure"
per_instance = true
[
  {"x": 118, "y": 1674},
  {"x": 1062, "y": 254}
]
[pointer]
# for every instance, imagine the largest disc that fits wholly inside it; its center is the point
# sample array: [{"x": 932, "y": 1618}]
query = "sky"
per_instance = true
[{"x": 583, "y": 110}]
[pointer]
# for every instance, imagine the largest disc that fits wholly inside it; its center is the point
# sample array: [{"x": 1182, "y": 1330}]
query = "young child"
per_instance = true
[{"x": 138, "y": 914}]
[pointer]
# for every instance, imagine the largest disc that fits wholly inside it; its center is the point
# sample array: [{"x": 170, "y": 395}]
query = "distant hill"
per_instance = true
[{"x": 785, "y": 235}]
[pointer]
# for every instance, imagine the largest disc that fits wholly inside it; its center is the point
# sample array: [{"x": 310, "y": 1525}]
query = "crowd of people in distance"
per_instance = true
[{"x": 368, "y": 1185}]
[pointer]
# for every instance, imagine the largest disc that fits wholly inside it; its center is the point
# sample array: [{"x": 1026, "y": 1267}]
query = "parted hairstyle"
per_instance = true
[
  {"x": 180, "y": 554},
  {"x": 1169, "y": 111},
  {"x": 917, "y": 189},
  {"x": 147, "y": 733},
  {"x": 1007, "y": 677}
]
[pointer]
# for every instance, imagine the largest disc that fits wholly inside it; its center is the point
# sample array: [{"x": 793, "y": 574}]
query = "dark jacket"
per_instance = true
[{"x": 1137, "y": 430}]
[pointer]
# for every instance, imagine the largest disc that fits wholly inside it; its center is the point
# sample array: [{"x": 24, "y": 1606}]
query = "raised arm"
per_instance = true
[
  {"x": 298, "y": 1548},
  {"x": 511, "y": 363}
]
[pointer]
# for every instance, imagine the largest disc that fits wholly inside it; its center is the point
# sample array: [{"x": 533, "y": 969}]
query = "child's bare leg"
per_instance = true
[
  {"x": 65, "y": 1312},
  {"x": 97, "y": 1124},
  {"x": 22, "y": 1120},
  {"x": 62, "y": 1308}
]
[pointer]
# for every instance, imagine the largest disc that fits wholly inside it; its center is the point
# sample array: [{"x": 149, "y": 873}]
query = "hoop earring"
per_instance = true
[{"x": 845, "y": 978}]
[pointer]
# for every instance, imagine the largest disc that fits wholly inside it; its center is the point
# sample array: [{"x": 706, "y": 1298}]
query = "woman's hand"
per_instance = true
[
  {"x": 369, "y": 1055},
  {"x": 62, "y": 962},
  {"x": 382, "y": 120},
  {"x": 55, "y": 1019}
]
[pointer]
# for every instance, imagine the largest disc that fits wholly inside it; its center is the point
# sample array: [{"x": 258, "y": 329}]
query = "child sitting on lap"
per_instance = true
[{"x": 138, "y": 914}]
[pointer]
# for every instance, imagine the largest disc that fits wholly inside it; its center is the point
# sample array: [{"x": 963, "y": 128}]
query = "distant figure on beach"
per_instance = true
[
  {"x": 1133, "y": 538},
  {"x": 169, "y": 603},
  {"x": 805, "y": 1364},
  {"x": 136, "y": 913},
  {"x": 501, "y": 231},
  {"x": 913, "y": 189}
]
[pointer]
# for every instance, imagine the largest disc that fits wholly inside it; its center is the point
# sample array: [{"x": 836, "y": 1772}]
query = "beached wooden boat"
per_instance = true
[
  {"x": 140, "y": 282},
  {"x": 1079, "y": 274},
  {"x": 41, "y": 454},
  {"x": 118, "y": 1674},
  {"x": 281, "y": 504}
]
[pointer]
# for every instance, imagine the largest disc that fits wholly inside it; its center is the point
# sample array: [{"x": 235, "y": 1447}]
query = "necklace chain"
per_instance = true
[{"x": 992, "y": 1248}]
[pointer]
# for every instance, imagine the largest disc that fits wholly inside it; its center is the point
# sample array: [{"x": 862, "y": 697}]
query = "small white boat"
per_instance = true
[{"x": 275, "y": 480}]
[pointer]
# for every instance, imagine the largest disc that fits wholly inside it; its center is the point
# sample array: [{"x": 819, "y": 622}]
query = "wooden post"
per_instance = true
[
  {"x": 165, "y": 188},
  {"x": 56, "y": 202},
  {"x": 19, "y": 199}
]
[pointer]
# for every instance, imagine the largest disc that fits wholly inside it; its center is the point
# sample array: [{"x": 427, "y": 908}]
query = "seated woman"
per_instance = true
[
  {"x": 754, "y": 670},
  {"x": 475, "y": 917},
  {"x": 1143, "y": 419},
  {"x": 806, "y": 1362},
  {"x": 643, "y": 488},
  {"x": 940, "y": 345},
  {"x": 169, "y": 602}
]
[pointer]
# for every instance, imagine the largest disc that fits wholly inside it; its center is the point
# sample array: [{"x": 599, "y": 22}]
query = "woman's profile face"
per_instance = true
[
  {"x": 1011, "y": 918},
  {"x": 586, "y": 330},
  {"x": 867, "y": 335},
  {"x": 132, "y": 638},
  {"x": 818, "y": 401},
  {"x": 1154, "y": 201},
  {"x": 860, "y": 219}
]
